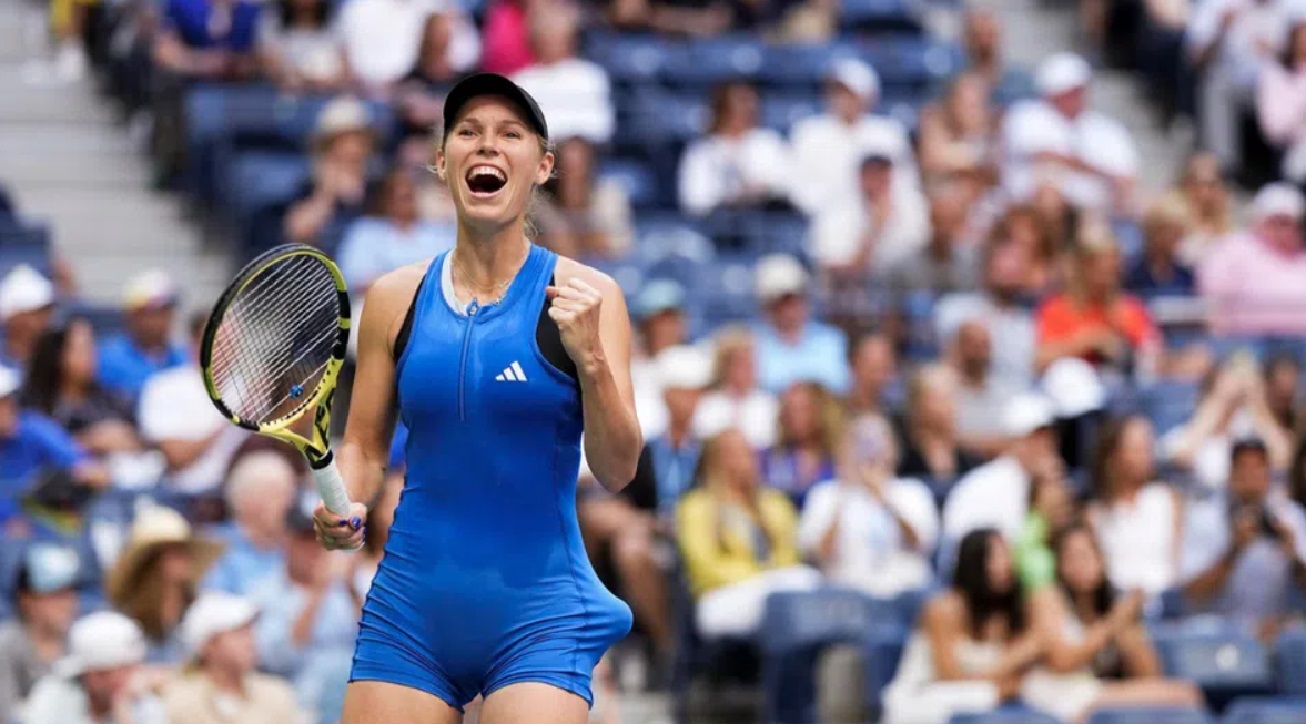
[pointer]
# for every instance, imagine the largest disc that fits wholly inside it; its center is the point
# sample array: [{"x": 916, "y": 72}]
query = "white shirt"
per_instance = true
[
  {"x": 382, "y": 37},
  {"x": 837, "y": 231},
  {"x": 1258, "y": 23},
  {"x": 828, "y": 156},
  {"x": 59, "y": 700},
  {"x": 1033, "y": 127},
  {"x": 175, "y": 406},
  {"x": 574, "y": 95},
  {"x": 1138, "y": 539},
  {"x": 755, "y": 415},
  {"x": 870, "y": 553},
  {"x": 715, "y": 168},
  {"x": 650, "y": 409},
  {"x": 994, "y": 495},
  {"x": 1011, "y": 329}
]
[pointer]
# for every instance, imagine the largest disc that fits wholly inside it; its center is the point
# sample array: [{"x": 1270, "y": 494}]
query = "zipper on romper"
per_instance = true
[{"x": 472, "y": 309}]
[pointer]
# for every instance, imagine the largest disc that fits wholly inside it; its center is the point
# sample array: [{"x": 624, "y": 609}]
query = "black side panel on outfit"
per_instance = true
[
  {"x": 406, "y": 329},
  {"x": 549, "y": 341}
]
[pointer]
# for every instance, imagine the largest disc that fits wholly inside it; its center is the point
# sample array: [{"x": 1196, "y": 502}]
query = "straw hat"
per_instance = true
[{"x": 155, "y": 527}]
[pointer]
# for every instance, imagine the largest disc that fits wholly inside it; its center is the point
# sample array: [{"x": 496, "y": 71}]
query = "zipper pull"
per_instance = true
[{"x": 473, "y": 308}]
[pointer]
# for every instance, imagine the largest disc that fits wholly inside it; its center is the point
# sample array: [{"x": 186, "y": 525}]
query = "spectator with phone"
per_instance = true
[{"x": 1246, "y": 548}]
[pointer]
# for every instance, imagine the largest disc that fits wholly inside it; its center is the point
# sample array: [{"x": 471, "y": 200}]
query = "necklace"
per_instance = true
[{"x": 496, "y": 292}]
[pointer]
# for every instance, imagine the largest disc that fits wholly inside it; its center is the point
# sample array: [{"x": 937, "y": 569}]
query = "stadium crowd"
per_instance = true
[{"x": 907, "y": 326}]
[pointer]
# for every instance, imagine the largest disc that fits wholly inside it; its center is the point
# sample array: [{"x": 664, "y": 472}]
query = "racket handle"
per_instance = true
[{"x": 331, "y": 486}]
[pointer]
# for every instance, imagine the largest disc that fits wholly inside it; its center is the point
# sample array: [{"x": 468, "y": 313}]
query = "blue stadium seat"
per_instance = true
[
  {"x": 1150, "y": 715},
  {"x": 706, "y": 62},
  {"x": 1290, "y": 662},
  {"x": 913, "y": 62},
  {"x": 1168, "y": 404},
  {"x": 258, "y": 179},
  {"x": 796, "y": 626},
  {"x": 638, "y": 180},
  {"x": 27, "y": 244},
  {"x": 878, "y": 15},
  {"x": 1225, "y": 661},
  {"x": 1266, "y": 711},
  {"x": 1005, "y": 716},
  {"x": 775, "y": 233},
  {"x": 725, "y": 290},
  {"x": 661, "y": 117},
  {"x": 802, "y": 65},
  {"x": 780, "y": 113},
  {"x": 629, "y": 59},
  {"x": 882, "y": 649},
  {"x": 663, "y": 238},
  {"x": 105, "y": 320}
]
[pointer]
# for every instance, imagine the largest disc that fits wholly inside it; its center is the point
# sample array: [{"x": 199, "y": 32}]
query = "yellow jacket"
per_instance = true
[{"x": 716, "y": 541}]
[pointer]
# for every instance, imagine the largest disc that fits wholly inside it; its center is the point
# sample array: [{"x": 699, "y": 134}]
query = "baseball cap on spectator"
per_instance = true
[
  {"x": 857, "y": 76},
  {"x": 150, "y": 289},
  {"x": 1073, "y": 387},
  {"x": 684, "y": 367},
  {"x": 10, "y": 381},
  {"x": 1247, "y": 444},
  {"x": 100, "y": 641},
  {"x": 48, "y": 568},
  {"x": 877, "y": 149},
  {"x": 658, "y": 296},
  {"x": 340, "y": 116},
  {"x": 155, "y": 527},
  {"x": 1026, "y": 414},
  {"x": 779, "y": 275},
  {"x": 1062, "y": 73},
  {"x": 211, "y": 614},
  {"x": 24, "y": 289},
  {"x": 1279, "y": 199}
]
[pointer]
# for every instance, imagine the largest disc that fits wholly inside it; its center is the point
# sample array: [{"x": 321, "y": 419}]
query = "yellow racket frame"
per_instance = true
[{"x": 318, "y": 449}]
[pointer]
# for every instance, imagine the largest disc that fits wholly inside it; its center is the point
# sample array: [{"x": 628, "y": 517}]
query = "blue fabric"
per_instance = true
[
  {"x": 242, "y": 565},
  {"x": 124, "y": 367},
  {"x": 38, "y": 443},
  {"x": 1142, "y": 280},
  {"x": 485, "y": 581},
  {"x": 673, "y": 468},
  {"x": 780, "y": 471},
  {"x": 821, "y": 355},
  {"x": 398, "y": 456},
  {"x": 193, "y": 22}
]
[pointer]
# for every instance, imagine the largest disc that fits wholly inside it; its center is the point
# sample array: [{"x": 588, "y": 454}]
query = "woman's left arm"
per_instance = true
[{"x": 590, "y": 311}]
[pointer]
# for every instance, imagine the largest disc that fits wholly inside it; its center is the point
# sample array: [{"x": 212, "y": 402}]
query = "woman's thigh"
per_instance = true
[
  {"x": 378, "y": 702},
  {"x": 534, "y": 702}
]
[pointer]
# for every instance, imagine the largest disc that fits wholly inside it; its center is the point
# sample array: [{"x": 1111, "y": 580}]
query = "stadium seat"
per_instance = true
[
  {"x": 635, "y": 177},
  {"x": 661, "y": 117},
  {"x": 258, "y": 179},
  {"x": 1150, "y": 715},
  {"x": 105, "y": 320},
  {"x": 796, "y": 627},
  {"x": 703, "y": 63},
  {"x": 726, "y": 289},
  {"x": 629, "y": 59},
  {"x": 878, "y": 16},
  {"x": 27, "y": 244},
  {"x": 882, "y": 649},
  {"x": 802, "y": 65},
  {"x": 1266, "y": 711},
  {"x": 663, "y": 238},
  {"x": 1225, "y": 661},
  {"x": 1290, "y": 662},
  {"x": 780, "y": 113},
  {"x": 914, "y": 63},
  {"x": 1005, "y": 716},
  {"x": 1168, "y": 404}
]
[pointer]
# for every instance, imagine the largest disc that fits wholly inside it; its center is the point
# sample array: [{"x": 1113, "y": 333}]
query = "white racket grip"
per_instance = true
[{"x": 331, "y": 487}]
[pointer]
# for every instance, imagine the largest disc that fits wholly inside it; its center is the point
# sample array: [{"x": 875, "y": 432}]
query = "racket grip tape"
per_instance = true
[{"x": 330, "y": 485}]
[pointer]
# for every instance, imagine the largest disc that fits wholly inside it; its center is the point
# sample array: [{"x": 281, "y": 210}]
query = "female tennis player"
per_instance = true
[{"x": 500, "y": 353}]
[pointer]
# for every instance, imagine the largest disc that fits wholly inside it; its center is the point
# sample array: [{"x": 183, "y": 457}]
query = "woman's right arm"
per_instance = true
[{"x": 1049, "y": 621}]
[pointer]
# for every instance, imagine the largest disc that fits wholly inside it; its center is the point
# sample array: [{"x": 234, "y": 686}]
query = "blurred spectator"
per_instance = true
[
  {"x": 1057, "y": 138},
  {"x": 46, "y": 603},
  {"x": 208, "y": 40},
  {"x": 390, "y": 235},
  {"x": 583, "y": 214},
  {"x": 1282, "y": 382},
  {"x": 874, "y": 370},
  {"x": 128, "y": 359},
  {"x": 868, "y": 528},
  {"x": 981, "y": 37},
  {"x": 26, "y": 309},
  {"x": 738, "y": 539},
  {"x": 737, "y": 163},
  {"x": 1279, "y": 105},
  {"x": 1160, "y": 271},
  {"x": 807, "y": 442},
  {"x": 791, "y": 345},
  {"x": 1138, "y": 519},
  {"x": 1252, "y": 281},
  {"x": 1051, "y": 510},
  {"x": 1093, "y": 319},
  {"x": 419, "y": 97},
  {"x": 382, "y": 38},
  {"x": 734, "y": 399},
  {"x": 946, "y": 263},
  {"x": 308, "y": 617},
  {"x": 101, "y": 680},
  {"x": 260, "y": 488},
  {"x": 1038, "y": 238},
  {"x": 222, "y": 685},
  {"x": 979, "y": 396},
  {"x": 300, "y": 46},
  {"x": 1202, "y": 185},
  {"x": 828, "y": 148},
  {"x": 1245, "y": 549},
  {"x": 1091, "y": 631},
  {"x": 61, "y": 385},
  {"x": 973, "y": 646},
  {"x": 156, "y": 576},
  {"x": 343, "y": 145},
  {"x": 659, "y": 316},
  {"x": 959, "y": 135},
  {"x": 506, "y": 34},
  {"x": 930, "y": 447},
  {"x": 177, "y": 416},
  {"x": 1231, "y": 42},
  {"x": 684, "y": 372},
  {"x": 888, "y": 224},
  {"x": 996, "y": 494},
  {"x": 998, "y": 304},
  {"x": 573, "y": 92}
]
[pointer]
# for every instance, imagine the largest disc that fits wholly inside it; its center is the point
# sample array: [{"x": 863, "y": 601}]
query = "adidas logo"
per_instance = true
[{"x": 511, "y": 373}]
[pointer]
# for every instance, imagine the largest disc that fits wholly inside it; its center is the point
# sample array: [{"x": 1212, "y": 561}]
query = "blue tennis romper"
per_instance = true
[{"x": 485, "y": 581}]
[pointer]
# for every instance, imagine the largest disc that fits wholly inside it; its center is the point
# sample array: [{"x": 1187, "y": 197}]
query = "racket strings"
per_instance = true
[{"x": 276, "y": 338}]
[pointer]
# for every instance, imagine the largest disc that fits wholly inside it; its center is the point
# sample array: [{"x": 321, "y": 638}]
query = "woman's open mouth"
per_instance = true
[{"x": 485, "y": 181}]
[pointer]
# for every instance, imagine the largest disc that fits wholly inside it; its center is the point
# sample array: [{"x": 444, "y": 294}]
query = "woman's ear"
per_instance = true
[
  {"x": 438, "y": 166},
  {"x": 545, "y": 171}
]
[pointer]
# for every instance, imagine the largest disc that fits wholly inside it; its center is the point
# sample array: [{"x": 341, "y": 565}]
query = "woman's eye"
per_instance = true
[
  {"x": 513, "y": 134},
  {"x": 466, "y": 133}
]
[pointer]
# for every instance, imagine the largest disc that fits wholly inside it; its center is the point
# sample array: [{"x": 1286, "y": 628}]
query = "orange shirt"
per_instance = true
[{"x": 1060, "y": 318}]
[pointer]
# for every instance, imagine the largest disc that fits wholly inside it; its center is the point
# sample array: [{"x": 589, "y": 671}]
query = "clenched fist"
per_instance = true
[{"x": 574, "y": 306}]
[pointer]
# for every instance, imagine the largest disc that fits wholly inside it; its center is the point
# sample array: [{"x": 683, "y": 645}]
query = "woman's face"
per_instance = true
[
  {"x": 351, "y": 150},
  {"x": 936, "y": 406},
  {"x": 492, "y": 161},
  {"x": 1165, "y": 237},
  {"x": 1023, "y": 231},
  {"x": 1001, "y": 573},
  {"x": 436, "y": 37},
  {"x": 235, "y": 650},
  {"x": 738, "y": 463},
  {"x": 1101, "y": 271},
  {"x": 1079, "y": 563},
  {"x": 1203, "y": 184},
  {"x": 739, "y": 369},
  {"x": 176, "y": 564},
  {"x": 79, "y": 357},
  {"x": 799, "y": 414},
  {"x": 1135, "y": 456},
  {"x": 739, "y": 108}
]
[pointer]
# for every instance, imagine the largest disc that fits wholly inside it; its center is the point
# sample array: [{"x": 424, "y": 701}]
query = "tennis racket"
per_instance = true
[{"x": 272, "y": 350}]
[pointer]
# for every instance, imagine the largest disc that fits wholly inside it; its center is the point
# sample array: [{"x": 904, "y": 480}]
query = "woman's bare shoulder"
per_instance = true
[
  {"x": 944, "y": 606},
  {"x": 397, "y": 287}
]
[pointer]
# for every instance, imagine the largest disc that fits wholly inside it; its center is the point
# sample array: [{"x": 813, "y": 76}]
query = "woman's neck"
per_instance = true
[{"x": 486, "y": 260}]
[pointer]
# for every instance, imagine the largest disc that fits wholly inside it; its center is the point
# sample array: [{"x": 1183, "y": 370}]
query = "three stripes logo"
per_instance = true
[{"x": 511, "y": 373}]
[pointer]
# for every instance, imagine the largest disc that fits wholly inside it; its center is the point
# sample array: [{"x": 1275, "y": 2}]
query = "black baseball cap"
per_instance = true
[{"x": 493, "y": 84}]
